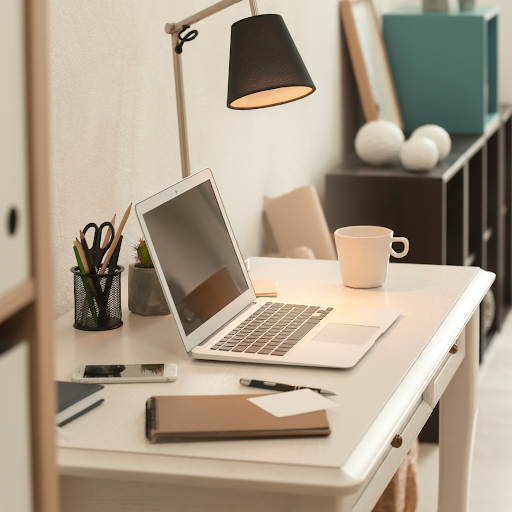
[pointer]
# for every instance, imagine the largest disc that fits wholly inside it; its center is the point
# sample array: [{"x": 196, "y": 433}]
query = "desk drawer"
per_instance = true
[
  {"x": 446, "y": 371},
  {"x": 393, "y": 459}
]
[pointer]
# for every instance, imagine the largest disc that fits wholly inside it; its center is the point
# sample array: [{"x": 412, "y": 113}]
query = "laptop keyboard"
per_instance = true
[{"x": 273, "y": 329}]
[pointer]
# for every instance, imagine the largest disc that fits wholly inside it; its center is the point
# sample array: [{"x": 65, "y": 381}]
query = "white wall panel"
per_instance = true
[
  {"x": 15, "y": 465},
  {"x": 114, "y": 126},
  {"x": 14, "y": 245}
]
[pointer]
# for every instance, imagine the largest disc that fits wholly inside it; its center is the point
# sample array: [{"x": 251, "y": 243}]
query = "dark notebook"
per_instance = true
[
  {"x": 76, "y": 399},
  {"x": 194, "y": 418}
]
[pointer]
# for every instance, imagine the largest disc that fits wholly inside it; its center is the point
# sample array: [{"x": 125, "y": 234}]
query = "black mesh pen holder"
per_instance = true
[{"x": 97, "y": 300}]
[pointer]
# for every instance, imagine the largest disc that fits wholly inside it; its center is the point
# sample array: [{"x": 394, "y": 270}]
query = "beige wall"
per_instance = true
[{"x": 114, "y": 130}]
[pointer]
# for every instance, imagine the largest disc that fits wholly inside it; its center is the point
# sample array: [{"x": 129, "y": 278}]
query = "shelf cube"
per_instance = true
[{"x": 445, "y": 66}]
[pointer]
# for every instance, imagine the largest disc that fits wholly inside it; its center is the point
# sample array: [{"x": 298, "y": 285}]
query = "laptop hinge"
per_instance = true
[{"x": 228, "y": 322}]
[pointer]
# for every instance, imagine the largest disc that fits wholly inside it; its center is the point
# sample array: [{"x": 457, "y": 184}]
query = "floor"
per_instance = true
[{"x": 491, "y": 480}]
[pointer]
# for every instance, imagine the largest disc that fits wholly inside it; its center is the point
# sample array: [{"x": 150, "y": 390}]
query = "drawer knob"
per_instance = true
[
  {"x": 454, "y": 349},
  {"x": 397, "y": 441}
]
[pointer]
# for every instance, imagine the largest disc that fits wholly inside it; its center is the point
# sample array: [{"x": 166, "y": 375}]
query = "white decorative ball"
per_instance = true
[
  {"x": 419, "y": 154},
  {"x": 439, "y": 135},
  {"x": 379, "y": 142}
]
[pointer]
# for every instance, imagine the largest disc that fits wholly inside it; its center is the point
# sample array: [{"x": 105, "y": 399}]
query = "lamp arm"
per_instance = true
[
  {"x": 173, "y": 29},
  {"x": 254, "y": 7},
  {"x": 180, "y": 107}
]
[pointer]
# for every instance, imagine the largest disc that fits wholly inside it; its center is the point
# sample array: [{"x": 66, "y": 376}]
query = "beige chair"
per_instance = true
[{"x": 297, "y": 225}]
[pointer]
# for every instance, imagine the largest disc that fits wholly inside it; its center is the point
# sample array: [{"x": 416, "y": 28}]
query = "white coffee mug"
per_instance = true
[{"x": 363, "y": 253}]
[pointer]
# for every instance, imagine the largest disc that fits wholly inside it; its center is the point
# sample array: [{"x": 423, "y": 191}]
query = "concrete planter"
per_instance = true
[{"x": 145, "y": 295}]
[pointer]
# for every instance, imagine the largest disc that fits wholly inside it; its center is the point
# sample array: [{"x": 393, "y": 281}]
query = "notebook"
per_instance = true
[
  {"x": 75, "y": 399},
  {"x": 189, "y": 418},
  {"x": 210, "y": 295}
]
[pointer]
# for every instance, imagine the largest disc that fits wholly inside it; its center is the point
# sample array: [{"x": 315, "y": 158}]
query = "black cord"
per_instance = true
[{"x": 188, "y": 37}]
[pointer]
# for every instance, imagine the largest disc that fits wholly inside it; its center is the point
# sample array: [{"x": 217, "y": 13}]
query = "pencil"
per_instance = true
[
  {"x": 108, "y": 285},
  {"x": 88, "y": 291},
  {"x": 112, "y": 264},
  {"x": 87, "y": 252},
  {"x": 92, "y": 282},
  {"x": 114, "y": 242},
  {"x": 109, "y": 231},
  {"x": 84, "y": 281},
  {"x": 81, "y": 252}
]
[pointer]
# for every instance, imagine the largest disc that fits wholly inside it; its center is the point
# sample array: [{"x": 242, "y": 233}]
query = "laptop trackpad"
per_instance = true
[{"x": 347, "y": 334}]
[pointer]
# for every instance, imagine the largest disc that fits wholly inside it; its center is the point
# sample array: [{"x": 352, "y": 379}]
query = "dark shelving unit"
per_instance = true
[{"x": 459, "y": 213}]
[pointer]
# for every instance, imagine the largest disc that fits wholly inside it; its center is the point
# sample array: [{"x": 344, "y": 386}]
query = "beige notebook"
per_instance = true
[{"x": 192, "y": 418}]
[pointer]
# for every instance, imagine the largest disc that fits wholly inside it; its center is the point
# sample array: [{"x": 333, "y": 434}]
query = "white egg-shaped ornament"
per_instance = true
[
  {"x": 379, "y": 142},
  {"x": 439, "y": 135},
  {"x": 419, "y": 154}
]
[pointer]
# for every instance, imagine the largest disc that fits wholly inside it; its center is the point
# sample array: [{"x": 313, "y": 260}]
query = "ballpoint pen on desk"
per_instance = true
[{"x": 275, "y": 386}]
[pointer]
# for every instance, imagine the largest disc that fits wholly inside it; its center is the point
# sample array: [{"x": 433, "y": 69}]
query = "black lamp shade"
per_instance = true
[{"x": 265, "y": 68}]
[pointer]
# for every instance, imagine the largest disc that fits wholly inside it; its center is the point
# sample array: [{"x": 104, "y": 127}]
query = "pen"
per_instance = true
[
  {"x": 87, "y": 269},
  {"x": 280, "y": 387},
  {"x": 87, "y": 288},
  {"x": 87, "y": 252},
  {"x": 112, "y": 265}
]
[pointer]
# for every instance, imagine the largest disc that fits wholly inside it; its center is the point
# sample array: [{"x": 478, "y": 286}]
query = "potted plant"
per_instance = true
[{"x": 145, "y": 295}]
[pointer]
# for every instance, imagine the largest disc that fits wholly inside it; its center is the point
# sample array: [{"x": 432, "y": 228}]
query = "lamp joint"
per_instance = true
[{"x": 190, "y": 36}]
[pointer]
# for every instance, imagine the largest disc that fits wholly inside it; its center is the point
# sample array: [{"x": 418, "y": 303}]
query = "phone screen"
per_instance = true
[{"x": 123, "y": 370}]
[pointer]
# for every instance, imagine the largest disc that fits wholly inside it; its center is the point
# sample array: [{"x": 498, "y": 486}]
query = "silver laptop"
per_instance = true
[{"x": 211, "y": 297}]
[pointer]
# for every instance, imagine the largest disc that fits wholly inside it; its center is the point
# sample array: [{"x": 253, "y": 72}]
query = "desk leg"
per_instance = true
[{"x": 457, "y": 419}]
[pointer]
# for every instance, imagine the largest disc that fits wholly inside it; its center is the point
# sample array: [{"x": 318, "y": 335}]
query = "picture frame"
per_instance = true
[{"x": 370, "y": 61}]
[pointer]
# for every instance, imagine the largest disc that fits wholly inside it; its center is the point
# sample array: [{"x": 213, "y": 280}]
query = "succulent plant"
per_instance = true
[{"x": 142, "y": 255}]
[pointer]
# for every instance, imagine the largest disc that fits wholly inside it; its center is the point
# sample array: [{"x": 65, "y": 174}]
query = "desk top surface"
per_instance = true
[{"x": 425, "y": 293}]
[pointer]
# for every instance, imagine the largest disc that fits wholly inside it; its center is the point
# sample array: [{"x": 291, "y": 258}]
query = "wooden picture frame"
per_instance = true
[{"x": 370, "y": 61}]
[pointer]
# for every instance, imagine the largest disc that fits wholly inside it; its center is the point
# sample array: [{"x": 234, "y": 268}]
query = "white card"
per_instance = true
[{"x": 290, "y": 403}]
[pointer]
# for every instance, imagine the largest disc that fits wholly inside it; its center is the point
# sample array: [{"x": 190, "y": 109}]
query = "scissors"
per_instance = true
[{"x": 97, "y": 251}]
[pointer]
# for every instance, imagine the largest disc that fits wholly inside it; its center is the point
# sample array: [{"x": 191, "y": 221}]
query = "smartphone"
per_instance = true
[{"x": 121, "y": 373}]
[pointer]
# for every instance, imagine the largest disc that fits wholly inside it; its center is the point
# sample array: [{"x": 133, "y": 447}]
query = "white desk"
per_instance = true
[{"x": 107, "y": 463}]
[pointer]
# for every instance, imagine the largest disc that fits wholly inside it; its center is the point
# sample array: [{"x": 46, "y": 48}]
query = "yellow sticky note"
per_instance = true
[{"x": 265, "y": 288}]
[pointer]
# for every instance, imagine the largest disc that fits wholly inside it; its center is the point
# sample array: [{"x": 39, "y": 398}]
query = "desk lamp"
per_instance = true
[{"x": 265, "y": 68}]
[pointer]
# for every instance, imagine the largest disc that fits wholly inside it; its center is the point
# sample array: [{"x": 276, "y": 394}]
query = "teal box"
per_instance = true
[{"x": 445, "y": 66}]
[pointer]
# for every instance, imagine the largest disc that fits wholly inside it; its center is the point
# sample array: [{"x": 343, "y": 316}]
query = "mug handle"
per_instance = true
[{"x": 406, "y": 247}]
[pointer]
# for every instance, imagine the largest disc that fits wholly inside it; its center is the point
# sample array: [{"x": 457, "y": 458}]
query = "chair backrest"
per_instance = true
[{"x": 297, "y": 219}]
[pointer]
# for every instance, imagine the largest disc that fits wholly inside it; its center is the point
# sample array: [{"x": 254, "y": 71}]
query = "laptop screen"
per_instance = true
[{"x": 196, "y": 255}]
